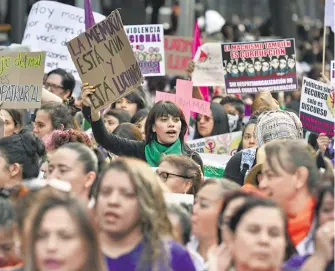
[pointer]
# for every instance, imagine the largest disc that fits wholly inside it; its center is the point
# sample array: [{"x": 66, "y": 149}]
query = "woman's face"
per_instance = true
[
  {"x": 326, "y": 212},
  {"x": 259, "y": 241},
  {"x": 251, "y": 68},
  {"x": 42, "y": 124},
  {"x": 275, "y": 63},
  {"x": 234, "y": 69},
  {"x": 59, "y": 245},
  {"x": 10, "y": 127},
  {"x": 282, "y": 64},
  {"x": 258, "y": 66},
  {"x": 175, "y": 183},
  {"x": 167, "y": 129},
  {"x": 229, "y": 65},
  {"x": 265, "y": 66},
  {"x": 141, "y": 126},
  {"x": 126, "y": 105},
  {"x": 280, "y": 187},
  {"x": 231, "y": 208},
  {"x": 291, "y": 63},
  {"x": 117, "y": 206},
  {"x": 111, "y": 123},
  {"x": 205, "y": 125},
  {"x": 206, "y": 209},
  {"x": 64, "y": 165},
  {"x": 241, "y": 67},
  {"x": 9, "y": 249},
  {"x": 249, "y": 139}
]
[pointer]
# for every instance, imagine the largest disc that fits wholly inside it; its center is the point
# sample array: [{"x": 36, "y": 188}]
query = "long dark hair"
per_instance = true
[
  {"x": 164, "y": 108},
  {"x": 221, "y": 124},
  {"x": 251, "y": 121}
]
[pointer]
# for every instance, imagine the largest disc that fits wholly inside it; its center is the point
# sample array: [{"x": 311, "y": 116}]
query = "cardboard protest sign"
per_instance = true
[
  {"x": 317, "y": 107},
  {"x": 21, "y": 79},
  {"x": 183, "y": 98},
  {"x": 208, "y": 69},
  {"x": 178, "y": 53},
  {"x": 50, "y": 26},
  {"x": 251, "y": 66},
  {"x": 220, "y": 144},
  {"x": 332, "y": 71},
  {"x": 104, "y": 59},
  {"x": 147, "y": 42}
]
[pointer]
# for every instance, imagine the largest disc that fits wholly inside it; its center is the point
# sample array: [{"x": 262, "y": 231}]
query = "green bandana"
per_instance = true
[{"x": 154, "y": 151}]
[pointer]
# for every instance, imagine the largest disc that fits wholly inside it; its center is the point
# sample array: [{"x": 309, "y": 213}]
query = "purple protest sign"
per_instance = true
[{"x": 252, "y": 66}]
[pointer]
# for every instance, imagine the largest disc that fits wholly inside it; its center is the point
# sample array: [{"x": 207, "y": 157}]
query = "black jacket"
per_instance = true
[{"x": 126, "y": 147}]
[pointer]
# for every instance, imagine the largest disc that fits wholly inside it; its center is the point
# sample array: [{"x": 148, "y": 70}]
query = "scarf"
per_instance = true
[
  {"x": 299, "y": 226},
  {"x": 153, "y": 151}
]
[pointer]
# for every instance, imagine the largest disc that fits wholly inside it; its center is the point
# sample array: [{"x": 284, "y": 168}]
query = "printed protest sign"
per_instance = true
[
  {"x": 332, "y": 71},
  {"x": 21, "y": 79},
  {"x": 147, "y": 42},
  {"x": 220, "y": 144},
  {"x": 104, "y": 59},
  {"x": 317, "y": 107},
  {"x": 251, "y": 66},
  {"x": 178, "y": 53},
  {"x": 50, "y": 26},
  {"x": 183, "y": 98},
  {"x": 208, "y": 69}
]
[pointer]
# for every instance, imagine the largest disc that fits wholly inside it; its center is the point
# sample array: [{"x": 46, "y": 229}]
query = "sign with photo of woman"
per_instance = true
[{"x": 249, "y": 67}]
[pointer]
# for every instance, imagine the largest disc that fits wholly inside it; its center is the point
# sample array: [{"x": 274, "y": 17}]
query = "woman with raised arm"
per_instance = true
[{"x": 165, "y": 130}]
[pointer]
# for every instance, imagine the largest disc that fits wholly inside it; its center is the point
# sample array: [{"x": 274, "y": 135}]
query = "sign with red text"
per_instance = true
[
  {"x": 147, "y": 42},
  {"x": 105, "y": 60},
  {"x": 317, "y": 111},
  {"x": 178, "y": 53},
  {"x": 251, "y": 66}
]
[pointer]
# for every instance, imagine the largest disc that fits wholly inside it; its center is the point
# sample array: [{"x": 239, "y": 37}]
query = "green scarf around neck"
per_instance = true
[{"x": 154, "y": 151}]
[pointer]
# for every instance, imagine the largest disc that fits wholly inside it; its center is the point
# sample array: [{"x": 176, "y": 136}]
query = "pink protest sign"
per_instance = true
[{"x": 183, "y": 98}]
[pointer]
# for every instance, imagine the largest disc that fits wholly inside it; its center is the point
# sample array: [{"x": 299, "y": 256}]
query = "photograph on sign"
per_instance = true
[
  {"x": 104, "y": 59},
  {"x": 21, "y": 79},
  {"x": 317, "y": 111},
  {"x": 50, "y": 25},
  {"x": 147, "y": 42},
  {"x": 249, "y": 67}
]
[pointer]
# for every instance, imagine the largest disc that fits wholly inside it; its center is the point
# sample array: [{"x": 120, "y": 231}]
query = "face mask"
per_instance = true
[{"x": 232, "y": 120}]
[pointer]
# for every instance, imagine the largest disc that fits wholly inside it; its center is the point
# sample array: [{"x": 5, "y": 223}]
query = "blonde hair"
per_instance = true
[{"x": 154, "y": 222}]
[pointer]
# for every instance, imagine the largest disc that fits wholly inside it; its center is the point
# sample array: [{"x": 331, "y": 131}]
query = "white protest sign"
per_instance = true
[
  {"x": 332, "y": 71},
  {"x": 208, "y": 70},
  {"x": 317, "y": 107},
  {"x": 50, "y": 26},
  {"x": 179, "y": 198}
]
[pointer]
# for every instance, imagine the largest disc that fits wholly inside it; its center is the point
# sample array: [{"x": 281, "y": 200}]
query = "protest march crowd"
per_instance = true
[{"x": 174, "y": 156}]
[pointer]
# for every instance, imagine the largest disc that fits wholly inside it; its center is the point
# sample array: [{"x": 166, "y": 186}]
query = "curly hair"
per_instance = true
[{"x": 59, "y": 138}]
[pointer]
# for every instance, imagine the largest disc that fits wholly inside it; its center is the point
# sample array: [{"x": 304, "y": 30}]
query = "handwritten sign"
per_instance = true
[
  {"x": 178, "y": 53},
  {"x": 21, "y": 78},
  {"x": 147, "y": 42},
  {"x": 332, "y": 71},
  {"x": 50, "y": 26},
  {"x": 317, "y": 107},
  {"x": 208, "y": 69},
  {"x": 104, "y": 59},
  {"x": 220, "y": 144},
  {"x": 251, "y": 66},
  {"x": 183, "y": 98}
]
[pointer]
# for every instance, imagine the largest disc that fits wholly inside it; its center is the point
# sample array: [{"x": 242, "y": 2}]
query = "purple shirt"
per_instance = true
[{"x": 180, "y": 260}]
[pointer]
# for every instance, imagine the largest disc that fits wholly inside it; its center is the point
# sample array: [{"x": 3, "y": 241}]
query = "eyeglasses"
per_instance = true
[
  {"x": 52, "y": 86},
  {"x": 165, "y": 175},
  {"x": 207, "y": 118}
]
